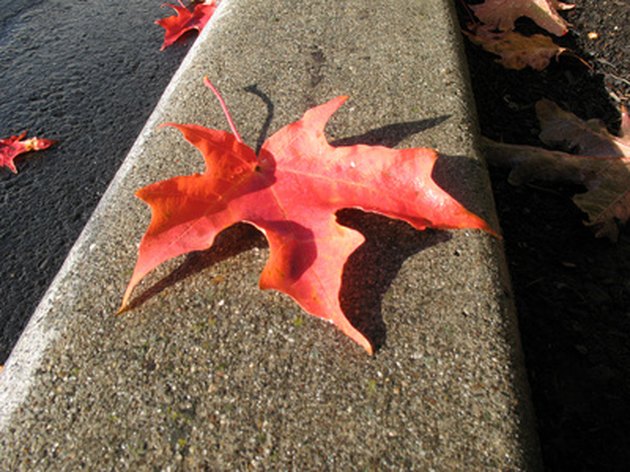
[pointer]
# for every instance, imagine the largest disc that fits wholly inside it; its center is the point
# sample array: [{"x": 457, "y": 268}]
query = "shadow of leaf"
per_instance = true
[
  {"x": 229, "y": 243},
  {"x": 451, "y": 172},
  {"x": 264, "y": 130},
  {"x": 371, "y": 269},
  {"x": 390, "y": 135}
]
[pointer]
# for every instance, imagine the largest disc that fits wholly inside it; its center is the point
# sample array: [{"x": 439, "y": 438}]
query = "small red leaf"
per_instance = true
[
  {"x": 184, "y": 20},
  {"x": 13, "y": 146}
]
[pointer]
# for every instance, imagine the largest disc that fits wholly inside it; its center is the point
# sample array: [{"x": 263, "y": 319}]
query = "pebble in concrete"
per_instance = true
[{"x": 208, "y": 371}]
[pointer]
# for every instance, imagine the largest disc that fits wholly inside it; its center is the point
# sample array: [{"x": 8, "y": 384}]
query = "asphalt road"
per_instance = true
[{"x": 86, "y": 73}]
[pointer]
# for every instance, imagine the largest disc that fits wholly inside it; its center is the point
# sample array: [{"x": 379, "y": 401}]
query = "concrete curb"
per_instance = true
[{"x": 214, "y": 373}]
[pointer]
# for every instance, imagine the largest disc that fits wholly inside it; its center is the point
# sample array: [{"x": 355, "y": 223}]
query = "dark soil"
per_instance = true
[{"x": 572, "y": 290}]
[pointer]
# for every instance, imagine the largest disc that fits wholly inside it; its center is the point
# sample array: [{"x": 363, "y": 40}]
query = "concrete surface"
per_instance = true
[
  {"x": 210, "y": 373},
  {"x": 87, "y": 74}
]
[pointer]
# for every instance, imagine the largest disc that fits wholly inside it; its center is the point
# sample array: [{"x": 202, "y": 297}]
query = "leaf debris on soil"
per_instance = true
[{"x": 572, "y": 290}]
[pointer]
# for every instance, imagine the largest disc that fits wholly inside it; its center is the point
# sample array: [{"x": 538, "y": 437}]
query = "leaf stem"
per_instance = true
[{"x": 226, "y": 112}]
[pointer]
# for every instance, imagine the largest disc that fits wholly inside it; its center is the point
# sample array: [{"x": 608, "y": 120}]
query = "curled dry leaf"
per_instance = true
[
  {"x": 501, "y": 14},
  {"x": 13, "y": 146},
  {"x": 517, "y": 51},
  {"x": 184, "y": 20},
  {"x": 291, "y": 192},
  {"x": 599, "y": 160}
]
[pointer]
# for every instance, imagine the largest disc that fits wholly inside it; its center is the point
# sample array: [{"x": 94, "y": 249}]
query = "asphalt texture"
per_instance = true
[
  {"x": 208, "y": 372},
  {"x": 88, "y": 74}
]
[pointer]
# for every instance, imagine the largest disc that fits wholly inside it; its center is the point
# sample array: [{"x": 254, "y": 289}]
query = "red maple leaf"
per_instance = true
[
  {"x": 184, "y": 20},
  {"x": 13, "y": 146},
  {"x": 291, "y": 192}
]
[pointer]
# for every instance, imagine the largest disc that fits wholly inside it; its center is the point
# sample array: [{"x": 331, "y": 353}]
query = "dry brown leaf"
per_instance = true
[
  {"x": 501, "y": 14},
  {"x": 517, "y": 51},
  {"x": 597, "y": 159}
]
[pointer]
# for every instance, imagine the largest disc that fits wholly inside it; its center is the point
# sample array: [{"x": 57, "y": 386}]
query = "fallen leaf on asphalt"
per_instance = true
[
  {"x": 501, "y": 14},
  {"x": 13, "y": 146},
  {"x": 598, "y": 159},
  {"x": 184, "y": 20},
  {"x": 517, "y": 51},
  {"x": 291, "y": 192}
]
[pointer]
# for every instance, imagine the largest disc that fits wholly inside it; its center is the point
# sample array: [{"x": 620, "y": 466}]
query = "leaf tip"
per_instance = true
[
  {"x": 491, "y": 231},
  {"x": 483, "y": 225},
  {"x": 341, "y": 99},
  {"x": 124, "y": 304},
  {"x": 357, "y": 336}
]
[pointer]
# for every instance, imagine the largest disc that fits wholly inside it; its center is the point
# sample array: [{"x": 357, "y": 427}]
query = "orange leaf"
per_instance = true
[
  {"x": 13, "y": 146},
  {"x": 291, "y": 192},
  {"x": 185, "y": 20}
]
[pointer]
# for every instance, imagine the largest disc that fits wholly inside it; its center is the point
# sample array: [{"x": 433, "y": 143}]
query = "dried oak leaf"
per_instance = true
[
  {"x": 291, "y": 192},
  {"x": 13, "y": 146},
  {"x": 501, "y": 14},
  {"x": 184, "y": 20},
  {"x": 517, "y": 51},
  {"x": 600, "y": 161}
]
